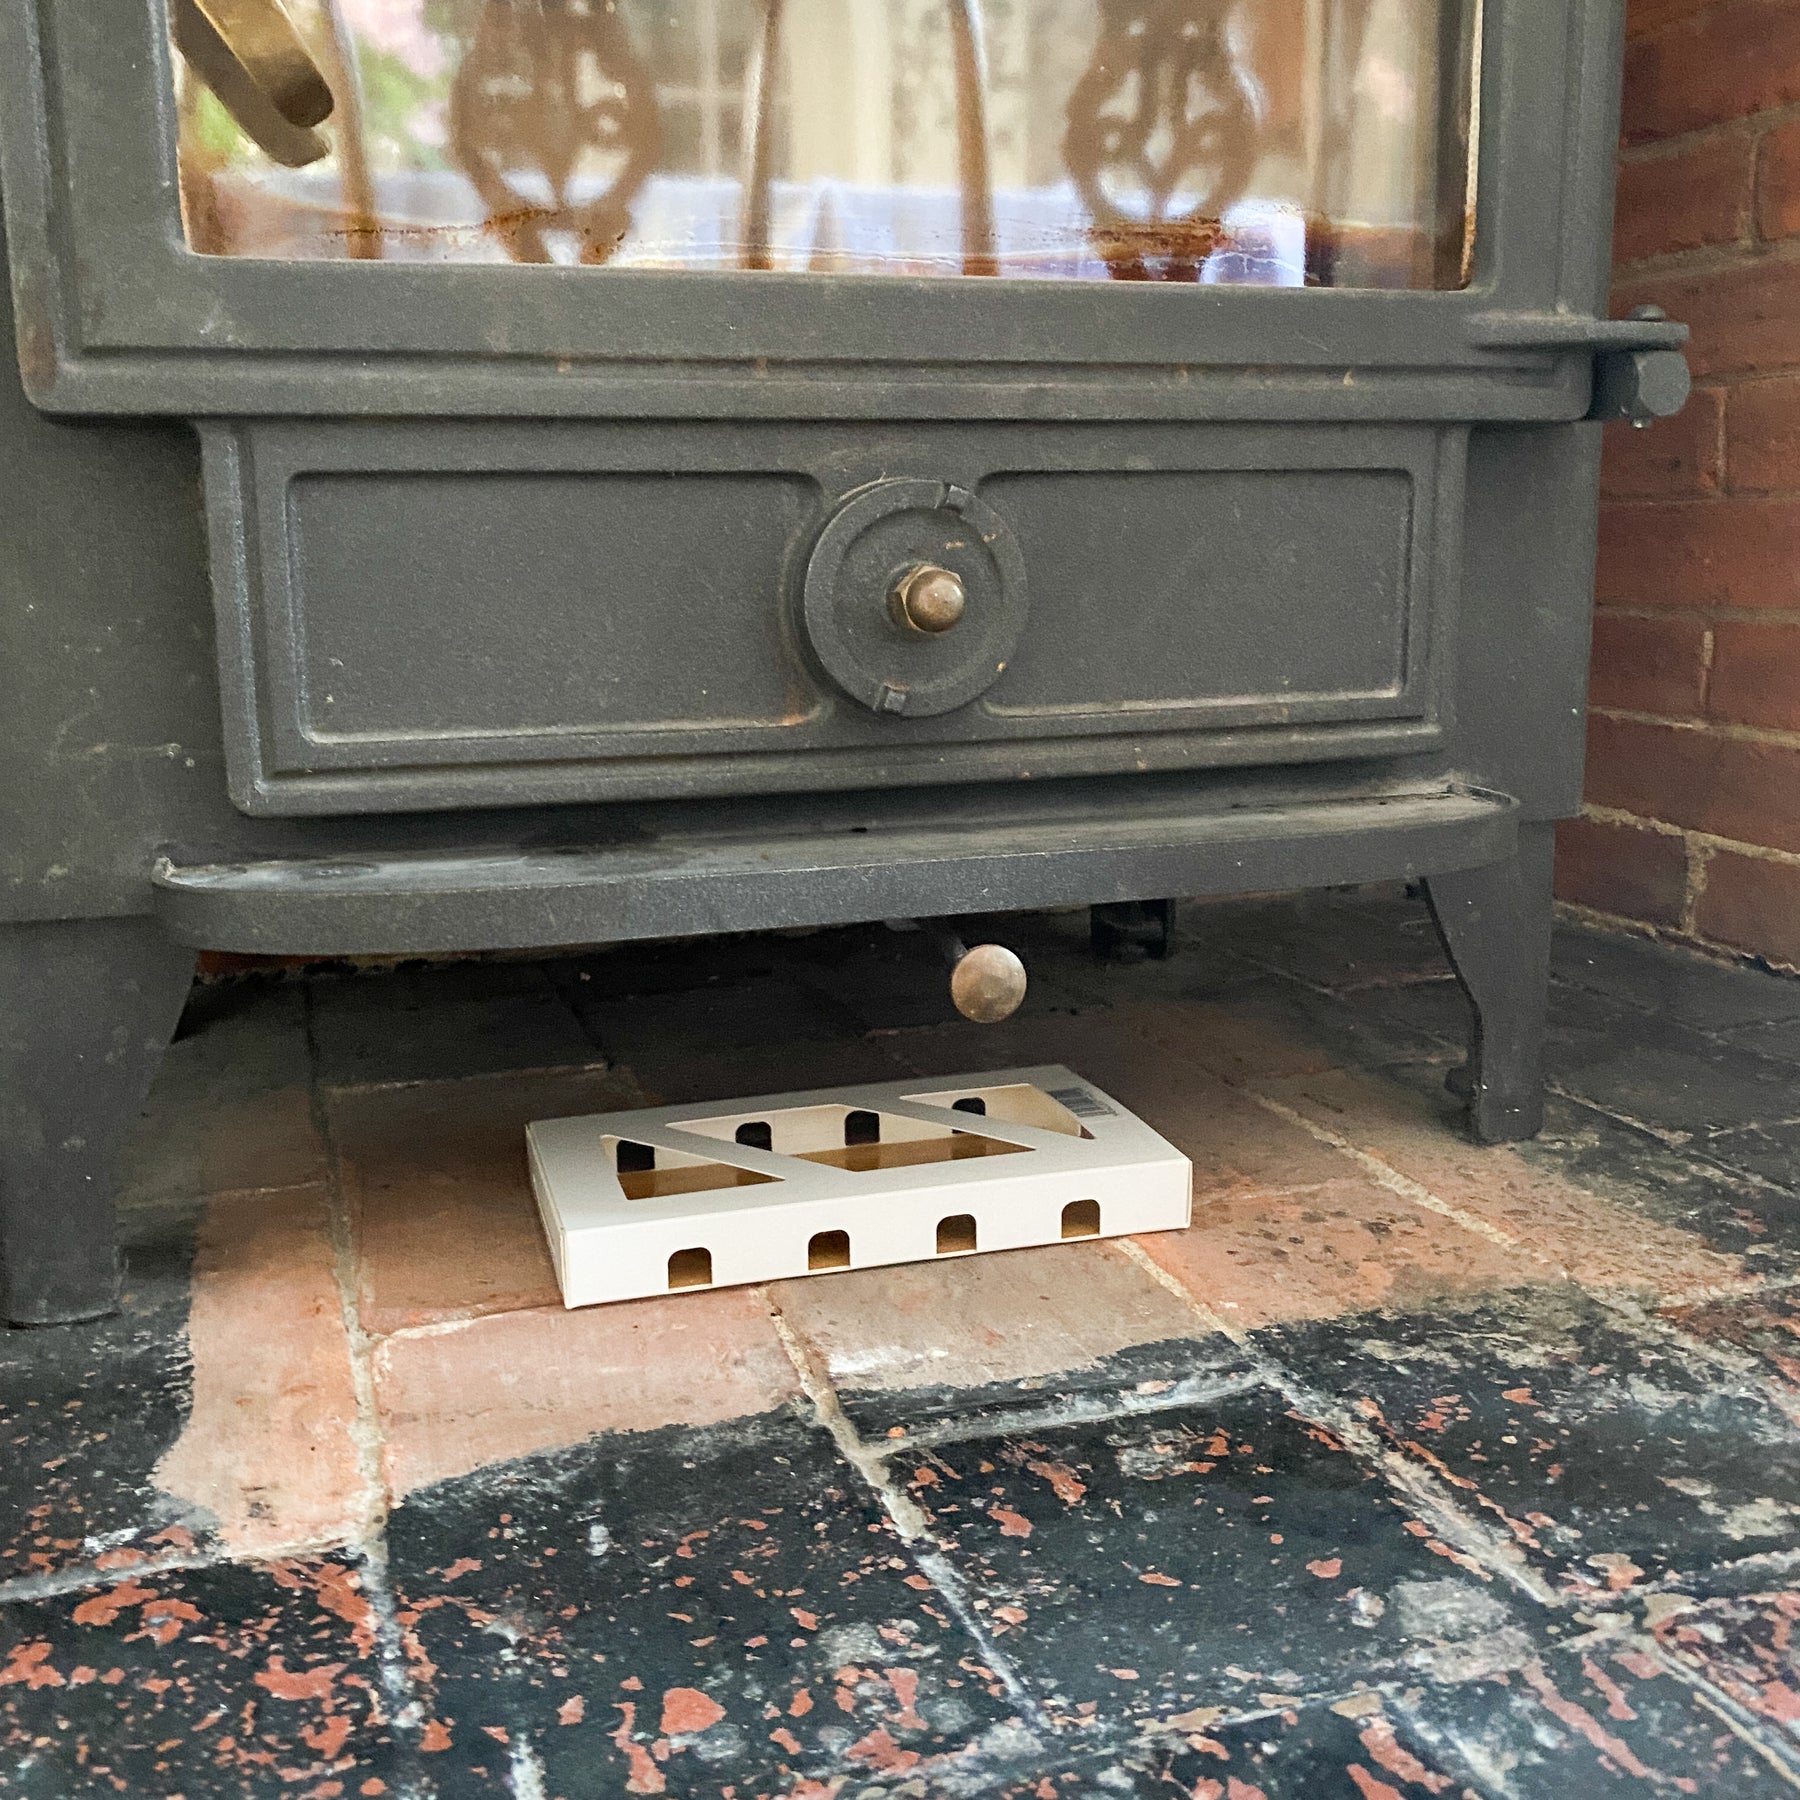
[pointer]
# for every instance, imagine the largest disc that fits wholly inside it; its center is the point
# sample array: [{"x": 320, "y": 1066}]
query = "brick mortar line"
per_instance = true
[
  {"x": 1696, "y": 866},
  {"x": 1705, "y": 617},
  {"x": 1709, "y": 840},
  {"x": 1708, "y": 259},
  {"x": 1766, "y": 735},
  {"x": 1061, "y": 1409},
  {"x": 910, "y": 1519},
  {"x": 80, "y": 1578},
  {"x": 1745, "y": 129},
  {"x": 1213, "y": 1321},
  {"x": 1750, "y": 127},
  {"x": 1704, "y": 501}
]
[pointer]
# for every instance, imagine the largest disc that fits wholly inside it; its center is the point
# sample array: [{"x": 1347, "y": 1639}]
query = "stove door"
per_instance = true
[
  {"x": 635, "y": 208},
  {"x": 609, "y": 398}
]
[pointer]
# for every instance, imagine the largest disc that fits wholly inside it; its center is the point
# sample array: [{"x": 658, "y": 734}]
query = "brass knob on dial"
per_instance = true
[{"x": 929, "y": 599}]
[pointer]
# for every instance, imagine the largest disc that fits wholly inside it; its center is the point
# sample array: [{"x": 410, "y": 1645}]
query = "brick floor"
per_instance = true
[{"x": 1409, "y": 1469}]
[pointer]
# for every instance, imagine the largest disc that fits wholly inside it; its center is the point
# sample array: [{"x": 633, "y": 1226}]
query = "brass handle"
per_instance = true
[
  {"x": 987, "y": 984},
  {"x": 928, "y": 599},
  {"x": 257, "y": 64}
]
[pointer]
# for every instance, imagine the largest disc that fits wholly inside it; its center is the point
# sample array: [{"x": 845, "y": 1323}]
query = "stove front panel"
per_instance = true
[{"x": 425, "y": 616}]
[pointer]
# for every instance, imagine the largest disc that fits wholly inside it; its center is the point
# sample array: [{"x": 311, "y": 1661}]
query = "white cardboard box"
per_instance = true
[{"x": 676, "y": 1197}]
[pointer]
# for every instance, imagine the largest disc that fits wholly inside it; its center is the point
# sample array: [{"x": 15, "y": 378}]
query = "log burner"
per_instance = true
[{"x": 503, "y": 473}]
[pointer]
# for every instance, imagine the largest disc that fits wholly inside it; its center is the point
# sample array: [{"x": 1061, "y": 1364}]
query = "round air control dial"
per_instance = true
[{"x": 914, "y": 597}]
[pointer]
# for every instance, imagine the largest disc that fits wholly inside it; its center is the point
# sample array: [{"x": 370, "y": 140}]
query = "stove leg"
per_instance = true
[
  {"x": 1120, "y": 930},
  {"x": 1495, "y": 927},
  {"x": 87, "y": 1007}
]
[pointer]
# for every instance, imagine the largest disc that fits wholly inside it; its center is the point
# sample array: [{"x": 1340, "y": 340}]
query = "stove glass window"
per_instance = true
[{"x": 1286, "y": 143}]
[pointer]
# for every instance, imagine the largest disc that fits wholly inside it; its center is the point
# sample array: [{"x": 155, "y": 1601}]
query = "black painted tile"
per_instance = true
[
  {"x": 1326, "y": 942},
  {"x": 231, "y": 1680},
  {"x": 1436, "y": 1009},
  {"x": 85, "y": 1412},
  {"x": 1769, "y": 1152},
  {"x": 671, "y": 966},
  {"x": 771, "y": 1034},
  {"x": 412, "y": 1024},
  {"x": 1660, "y": 1073},
  {"x": 1611, "y": 1455},
  {"x": 1778, "y": 1040},
  {"x": 883, "y": 980},
  {"x": 706, "y": 1609},
  {"x": 1208, "y": 957},
  {"x": 1596, "y": 1718},
  {"x": 750, "y": 1014},
  {"x": 1671, "y": 1185},
  {"x": 230, "y": 1106},
  {"x": 1228, "y": 1555},
  {"x": 1365, "y": 1030},
  {"x": 1676, "y": 984},
  {"x": 1353, "y": 1750}
]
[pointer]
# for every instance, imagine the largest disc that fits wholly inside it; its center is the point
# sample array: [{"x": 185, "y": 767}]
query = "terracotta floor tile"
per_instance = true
[
  {"x": 981, "y": 1319},
  {"x": 459, "y": 1397},
  {"x": 268, "y": 1446},
  {"x": 1258, "y": 1257},
  {"x": 1569, "y": 1229},
  {"x": 439, "y": 1194}
]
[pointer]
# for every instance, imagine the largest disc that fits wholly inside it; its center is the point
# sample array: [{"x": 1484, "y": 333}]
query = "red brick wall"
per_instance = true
[{"x": 1693, "y": 789}]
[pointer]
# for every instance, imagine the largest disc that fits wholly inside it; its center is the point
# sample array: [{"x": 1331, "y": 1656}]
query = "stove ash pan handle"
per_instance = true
[{"x": 1640, "y": 372}]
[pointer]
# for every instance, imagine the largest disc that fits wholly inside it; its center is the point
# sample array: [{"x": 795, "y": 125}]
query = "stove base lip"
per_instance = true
[{"x": 509, "y": 897}]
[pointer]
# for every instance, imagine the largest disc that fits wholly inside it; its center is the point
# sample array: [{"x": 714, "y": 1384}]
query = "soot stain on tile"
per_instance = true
[
  {"x": 1611, "y": 1459},
  {"x": 230, "y": 1680},
  {"x": 689, "y": 1612}
]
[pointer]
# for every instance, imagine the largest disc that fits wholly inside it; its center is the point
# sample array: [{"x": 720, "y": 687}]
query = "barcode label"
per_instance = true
[{"x": 1081, "y": 1103}]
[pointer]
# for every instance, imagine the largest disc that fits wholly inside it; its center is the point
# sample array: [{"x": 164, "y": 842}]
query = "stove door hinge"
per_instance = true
[{"x": 1640, "y": 372}]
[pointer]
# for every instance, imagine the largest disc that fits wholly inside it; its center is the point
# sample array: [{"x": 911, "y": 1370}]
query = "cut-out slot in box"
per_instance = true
[{"x": 679, "y": 1197}]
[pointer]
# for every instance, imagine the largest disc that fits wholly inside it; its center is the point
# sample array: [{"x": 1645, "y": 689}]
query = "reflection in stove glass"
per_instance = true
[{"x": 1263, "y": 142}]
